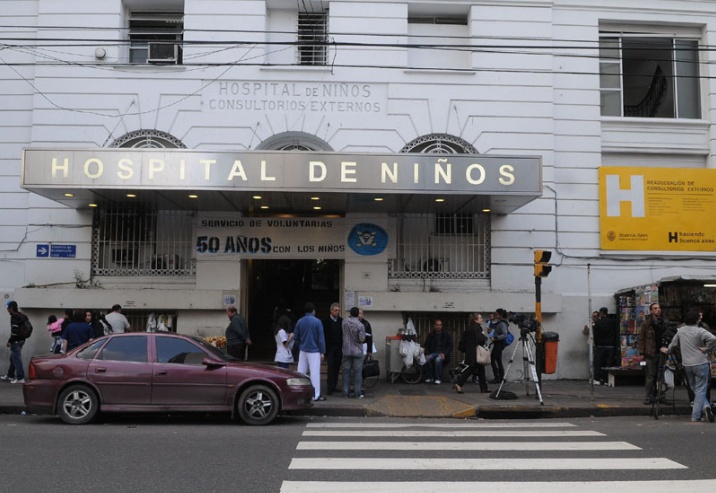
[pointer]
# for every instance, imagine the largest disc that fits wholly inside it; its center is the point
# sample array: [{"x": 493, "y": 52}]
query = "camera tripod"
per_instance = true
[{"x": 528, "y": 364}]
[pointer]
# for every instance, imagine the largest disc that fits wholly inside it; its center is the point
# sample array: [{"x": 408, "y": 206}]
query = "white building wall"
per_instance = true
[{"x": 510, "y": 103}]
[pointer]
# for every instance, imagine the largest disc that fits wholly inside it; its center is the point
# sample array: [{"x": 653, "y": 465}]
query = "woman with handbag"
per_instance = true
[{"x": 471, "y": 339}]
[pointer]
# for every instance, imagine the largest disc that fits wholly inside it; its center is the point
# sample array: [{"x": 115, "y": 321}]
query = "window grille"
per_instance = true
[
  {"x": 312, "y": 38},
  {"x": 430, "y": 246},
  {"x": 155, "y": 37},
  {"x": 439, "y": 144},
  {"x": 142, "y": 243},
  {"x": 148, "y": 139}
]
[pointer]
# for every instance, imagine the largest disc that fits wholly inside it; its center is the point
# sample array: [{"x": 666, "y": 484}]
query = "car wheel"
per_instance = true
[
  {"x": 258, "y": 405},
  {"x": 77, "y": 405}
]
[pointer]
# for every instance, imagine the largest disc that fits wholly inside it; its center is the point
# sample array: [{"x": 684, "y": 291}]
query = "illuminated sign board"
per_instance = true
[{"x": 171, "y": 169}]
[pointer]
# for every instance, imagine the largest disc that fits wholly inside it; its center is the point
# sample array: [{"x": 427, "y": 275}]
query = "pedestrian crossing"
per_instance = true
[{"x": 381, "y": 457}]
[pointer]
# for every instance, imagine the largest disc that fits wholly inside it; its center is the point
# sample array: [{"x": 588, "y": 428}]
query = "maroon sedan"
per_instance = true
[{"x": 160, "y": 372}]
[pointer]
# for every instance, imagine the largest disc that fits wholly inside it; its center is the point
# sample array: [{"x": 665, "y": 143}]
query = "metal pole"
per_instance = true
[
  {"x": 539, "y": 353},
  {"x": 590, "y": 350}
]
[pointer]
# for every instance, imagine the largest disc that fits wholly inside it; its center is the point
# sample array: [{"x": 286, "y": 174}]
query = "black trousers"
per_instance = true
[
  {"x": 603, "y": 356},
  {"x": 475, "y": 369},
  {"x": 334, "y": 361},
  {"x": 496, "y": 360},
  {"x": 238, "y": 351}
]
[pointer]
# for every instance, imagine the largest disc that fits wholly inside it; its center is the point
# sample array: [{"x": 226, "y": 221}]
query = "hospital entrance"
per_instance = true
[{"x": 293, "y": 282}]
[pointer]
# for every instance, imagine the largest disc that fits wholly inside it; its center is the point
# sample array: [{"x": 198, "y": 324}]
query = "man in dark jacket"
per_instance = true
[
  {"x": 237, "y": 334},
  {"x": 333, "y": 333},
  {"x": 605, "y": 336},
  {"x": 438, "y": 346},
  {"x": 15, "y": 372},
  {"x": 651, "y": 333}
]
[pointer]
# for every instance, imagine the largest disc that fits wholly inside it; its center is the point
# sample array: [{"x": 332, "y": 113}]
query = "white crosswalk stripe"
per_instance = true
[
  {"x": 695, "y": 486},
  {"x": 456, "y": 434},
  {"x": 482, "y": 464},
  {"x": 382, "y": 447},
  {"x": 466, "y": 446}
]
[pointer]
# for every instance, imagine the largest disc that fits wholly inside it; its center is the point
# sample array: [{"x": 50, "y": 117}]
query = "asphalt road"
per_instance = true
[{"x": 296, "y": 454}]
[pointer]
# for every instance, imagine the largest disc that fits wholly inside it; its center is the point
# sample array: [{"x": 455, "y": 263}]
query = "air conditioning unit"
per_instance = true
[{"x": 163, "y": 53}]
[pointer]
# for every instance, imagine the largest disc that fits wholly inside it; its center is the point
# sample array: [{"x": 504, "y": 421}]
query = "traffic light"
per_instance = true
[{"x": 542, "y": 267}]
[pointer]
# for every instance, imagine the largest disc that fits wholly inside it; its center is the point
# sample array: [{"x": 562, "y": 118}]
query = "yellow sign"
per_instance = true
[{"x": 669, "y": 209}]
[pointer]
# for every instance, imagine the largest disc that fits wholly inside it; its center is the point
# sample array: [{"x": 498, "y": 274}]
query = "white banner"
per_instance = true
[{"x": 292, "y": 238}]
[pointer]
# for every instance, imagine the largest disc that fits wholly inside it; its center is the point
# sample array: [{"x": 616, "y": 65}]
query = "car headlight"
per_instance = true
[{"x": 298, "y": 382}]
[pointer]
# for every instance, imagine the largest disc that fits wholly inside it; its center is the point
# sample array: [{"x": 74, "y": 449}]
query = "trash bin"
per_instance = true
[{"x": 551, "y": 342}]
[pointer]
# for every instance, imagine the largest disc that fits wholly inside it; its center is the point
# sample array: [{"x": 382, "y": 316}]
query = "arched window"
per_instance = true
[
  {"x": 294, "y": 141},
  {"x": 441, "y": 246},
  {"x": 439, "y": 144},
  {"x": 142, "y": 241},
  {"x": 148, "y": 139}
]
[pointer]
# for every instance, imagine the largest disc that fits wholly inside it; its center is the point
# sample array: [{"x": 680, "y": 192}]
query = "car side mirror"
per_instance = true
[{"x": 212, "y": 363}]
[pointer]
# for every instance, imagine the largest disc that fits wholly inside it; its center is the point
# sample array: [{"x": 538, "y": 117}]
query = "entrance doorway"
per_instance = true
[{"x": 293, "y": 282}]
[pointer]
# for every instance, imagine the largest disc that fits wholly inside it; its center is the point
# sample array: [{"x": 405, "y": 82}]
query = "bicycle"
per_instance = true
[{"x": 412, "y": 375}]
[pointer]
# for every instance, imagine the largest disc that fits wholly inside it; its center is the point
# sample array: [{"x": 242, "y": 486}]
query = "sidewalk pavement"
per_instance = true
[{"x": 561, "y": 398}]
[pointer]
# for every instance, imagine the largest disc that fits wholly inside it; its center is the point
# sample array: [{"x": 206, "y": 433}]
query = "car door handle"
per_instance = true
[
  {"x": 100, "y": 370},
  {"x": 161, "y": 373}
]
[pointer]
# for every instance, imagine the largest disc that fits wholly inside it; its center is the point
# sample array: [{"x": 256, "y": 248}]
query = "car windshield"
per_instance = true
[{"x": 214, "y": 350}]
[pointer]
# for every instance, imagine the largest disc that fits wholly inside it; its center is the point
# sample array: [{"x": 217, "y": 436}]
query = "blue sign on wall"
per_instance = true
[
  {"x": 43, "y": 250},
  {"x": 367, "y": 239},
  {"x": 56, "y": 251}
]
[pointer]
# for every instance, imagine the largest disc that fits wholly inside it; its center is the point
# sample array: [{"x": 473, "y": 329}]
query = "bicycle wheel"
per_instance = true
[{"x": 411, "y": 375}]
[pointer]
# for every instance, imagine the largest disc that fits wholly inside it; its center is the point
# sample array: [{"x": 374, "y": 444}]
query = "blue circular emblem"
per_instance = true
[{"x": 367, "y": 239}]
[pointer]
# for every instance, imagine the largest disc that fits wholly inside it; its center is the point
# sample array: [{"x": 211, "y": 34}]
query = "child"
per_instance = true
[{"x": 54, "y": 327}]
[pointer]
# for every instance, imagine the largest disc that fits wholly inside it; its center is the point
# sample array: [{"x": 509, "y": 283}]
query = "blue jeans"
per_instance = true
[
  {"x": 698, "y": 380},
  {"x": 434, "y": 366},
  {"x": 16, "y": 370},
  {"x": 354, "y": 363}
]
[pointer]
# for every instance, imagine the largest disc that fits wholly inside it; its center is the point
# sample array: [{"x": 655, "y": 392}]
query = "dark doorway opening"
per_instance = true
[{"x": 293, "y": 282}]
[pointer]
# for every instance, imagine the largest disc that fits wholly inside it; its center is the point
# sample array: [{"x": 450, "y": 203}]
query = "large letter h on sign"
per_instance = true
[{"x": 635, "y": 195}]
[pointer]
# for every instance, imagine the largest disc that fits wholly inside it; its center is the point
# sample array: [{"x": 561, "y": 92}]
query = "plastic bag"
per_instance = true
[
  {"x": 152, "y": 323},
  {"x": 406, "y": 351},
  {"x": 410, "y": 328}
]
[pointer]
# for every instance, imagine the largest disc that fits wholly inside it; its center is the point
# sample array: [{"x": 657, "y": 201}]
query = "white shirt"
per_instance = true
[
  {"x": 283, "y": 353},
  {"x": 118, "y": 322}
]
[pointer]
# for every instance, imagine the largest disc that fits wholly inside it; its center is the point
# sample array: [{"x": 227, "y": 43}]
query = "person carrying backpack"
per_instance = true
[{"x": 20, "y": 329}]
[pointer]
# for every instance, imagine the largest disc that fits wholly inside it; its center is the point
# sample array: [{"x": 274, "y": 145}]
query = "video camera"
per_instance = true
[{"x": 526, "y": 323}]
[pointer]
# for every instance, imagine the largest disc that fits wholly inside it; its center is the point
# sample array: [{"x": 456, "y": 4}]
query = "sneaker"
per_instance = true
[
  {"x": 21, "y": 380},
  {"x": 709, "y": 413},
  {"x": 437, "y": 382},
  {"x": 428, "y": 380},
  {"x": 649, "y": 400},
  {"x": 5, "y": 378},
  {"x": 362, "y": 396}
]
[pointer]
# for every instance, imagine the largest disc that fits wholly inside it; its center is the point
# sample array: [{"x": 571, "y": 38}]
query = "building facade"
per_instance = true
[{"x": 176, "y": 156}]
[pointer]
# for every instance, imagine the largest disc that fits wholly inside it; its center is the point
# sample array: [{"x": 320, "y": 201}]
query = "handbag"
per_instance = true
[
  {"x": 371, "y": 367},
  {"x": 483, "y": 355}
]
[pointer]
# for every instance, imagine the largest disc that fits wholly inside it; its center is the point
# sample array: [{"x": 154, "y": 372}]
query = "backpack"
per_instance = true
[
  {"x": 510, "y": 338},
  {"x": 25, "y": 330}
]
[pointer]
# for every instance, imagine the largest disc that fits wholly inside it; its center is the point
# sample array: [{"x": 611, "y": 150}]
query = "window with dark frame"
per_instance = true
[
  {"x": 312, "y": 37},
  {"x": 649, "y": 77},
  {"x": 156, "y": 37}
]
